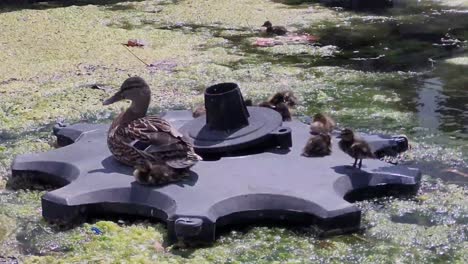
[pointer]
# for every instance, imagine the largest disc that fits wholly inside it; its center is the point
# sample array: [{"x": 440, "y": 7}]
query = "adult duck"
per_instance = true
[{"x": 139, "y": 140}]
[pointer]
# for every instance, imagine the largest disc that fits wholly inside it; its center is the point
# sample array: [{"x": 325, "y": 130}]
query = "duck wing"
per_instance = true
[
  {"x": 158, "y": 141},
  {"x": 361, "y": 149}
]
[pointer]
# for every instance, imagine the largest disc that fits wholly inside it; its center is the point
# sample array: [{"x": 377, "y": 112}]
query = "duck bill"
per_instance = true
[{"x": 115, "y": 98}]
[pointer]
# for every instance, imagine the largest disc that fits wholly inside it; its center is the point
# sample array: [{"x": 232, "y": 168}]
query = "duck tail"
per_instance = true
[{"x": 184, "y": 163}]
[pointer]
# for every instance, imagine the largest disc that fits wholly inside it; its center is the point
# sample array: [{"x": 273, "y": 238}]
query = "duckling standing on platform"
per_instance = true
[
  {"x": 281, "y": 108},
  {"x": 319, "y": 143},
  {"x": 322, "y": 123},
  {"x": 281, "y": 102},
  {"x": 355, "y": 147},
  {"x": 274, "y": 30},
  {"x": 286, "y": 97},
  {"x": 139, "y": 140},
  {"x": 317, "y": 146},
  {"x": 198, "y": 111}
]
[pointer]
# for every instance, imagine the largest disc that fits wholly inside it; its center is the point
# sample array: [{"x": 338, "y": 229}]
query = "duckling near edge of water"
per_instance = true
[
  {"x": 137, "y": 140},
  {"x": 318, "y": 145},
  {"x": 274, "y": 30},
  {"x": 355, "y": 147}
]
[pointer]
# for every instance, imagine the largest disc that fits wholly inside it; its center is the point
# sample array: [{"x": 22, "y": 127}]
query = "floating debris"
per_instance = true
[
  {"x": 135, "y": 43},
  {"x": 96, "y": 230},
  {"x": 158, "y": 247},
  {"x": 457, "y": 172}
]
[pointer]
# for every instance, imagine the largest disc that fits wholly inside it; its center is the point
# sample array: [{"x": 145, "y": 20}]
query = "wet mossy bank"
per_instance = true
[{"x": 397, "y": 71}]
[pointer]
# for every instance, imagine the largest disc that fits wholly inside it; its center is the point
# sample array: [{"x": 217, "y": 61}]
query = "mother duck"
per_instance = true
[{"x": 159, "y": 152}]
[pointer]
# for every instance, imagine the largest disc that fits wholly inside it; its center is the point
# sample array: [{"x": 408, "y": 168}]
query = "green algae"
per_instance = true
[
  {"x": 383, "y": 240},
  {"x": 133, "y": 244},
  {"x": 6, "y": 227}
]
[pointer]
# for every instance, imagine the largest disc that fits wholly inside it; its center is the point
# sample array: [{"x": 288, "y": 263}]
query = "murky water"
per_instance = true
[{"x": 390, "y": 75}]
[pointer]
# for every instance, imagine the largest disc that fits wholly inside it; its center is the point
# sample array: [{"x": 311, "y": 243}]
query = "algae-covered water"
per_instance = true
[{"x": 402, "y": 70}]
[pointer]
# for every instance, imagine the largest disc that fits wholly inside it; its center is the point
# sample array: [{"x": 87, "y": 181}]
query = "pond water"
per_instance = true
[{"x": 401, "y": 70}]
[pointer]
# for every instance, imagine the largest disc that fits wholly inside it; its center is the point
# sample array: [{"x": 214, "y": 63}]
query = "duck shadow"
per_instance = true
[
  {"x": 352, "y": 172},
  {"x": 111, "y": 165},
  {"x": 205, "y": 132},
  {"x": 361, "y": 185}
]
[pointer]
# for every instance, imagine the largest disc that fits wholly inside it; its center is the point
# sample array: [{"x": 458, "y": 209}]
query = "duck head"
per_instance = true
[
  {"x": 347, "y": 134},
  {"x": 319, "y": 117},
  {"x": 267, "y": 24},
  {"x": 134, "y": 89}
]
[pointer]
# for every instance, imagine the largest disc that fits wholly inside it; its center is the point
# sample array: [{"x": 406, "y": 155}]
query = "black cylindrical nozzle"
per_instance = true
[{"x": 225, "y": 107}]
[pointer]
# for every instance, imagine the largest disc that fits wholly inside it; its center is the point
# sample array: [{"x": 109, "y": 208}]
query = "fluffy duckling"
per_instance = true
[
  {"x": 355, "y": 147},
  {"x": 281, "y": 102},
  {"x": 322, "y": 123},
  {"x": 318, "y": 146},
  {"x": 274, "y": 30},
  {"x": 198, "y": 111},
  {"x": 157, "y": 174},
  {"x": 286, "y": 97},
  {"x": 135, "y": 138},
  {"x": 281, "y": 108}
]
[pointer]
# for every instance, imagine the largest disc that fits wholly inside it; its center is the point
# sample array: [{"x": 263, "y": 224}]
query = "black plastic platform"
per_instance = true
[
  {"x": 278, "y": 184},
  {"x": 230, "y": 126}
]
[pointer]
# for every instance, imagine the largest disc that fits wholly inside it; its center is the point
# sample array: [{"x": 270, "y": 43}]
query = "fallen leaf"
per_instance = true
[
  {"x": 158, "y": 247},
  {"x": 267, "y": 42},
  {"x": 457, "y": 172},
  {"x": 135, "y": 43}
]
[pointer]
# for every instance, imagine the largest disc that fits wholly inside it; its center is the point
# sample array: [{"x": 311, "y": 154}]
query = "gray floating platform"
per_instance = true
[{"x": 278, "y": 184}]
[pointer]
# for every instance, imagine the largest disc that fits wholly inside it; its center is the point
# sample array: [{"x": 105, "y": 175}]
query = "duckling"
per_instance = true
[
  {"x": 286, "y": 97},
  {"x": 281, "y": 108},
  {"x": 355, "y": 147},
  {"x": 322, "y": 123},
  {"x": 157, "y": 174},
  {"x": 318, "y": 146},
  {"x": 136, "y": 139},
  {"x": 281, "y": 102},
  {"x": 199, "y": 111},
  {"x": 274, "y": 30}
]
